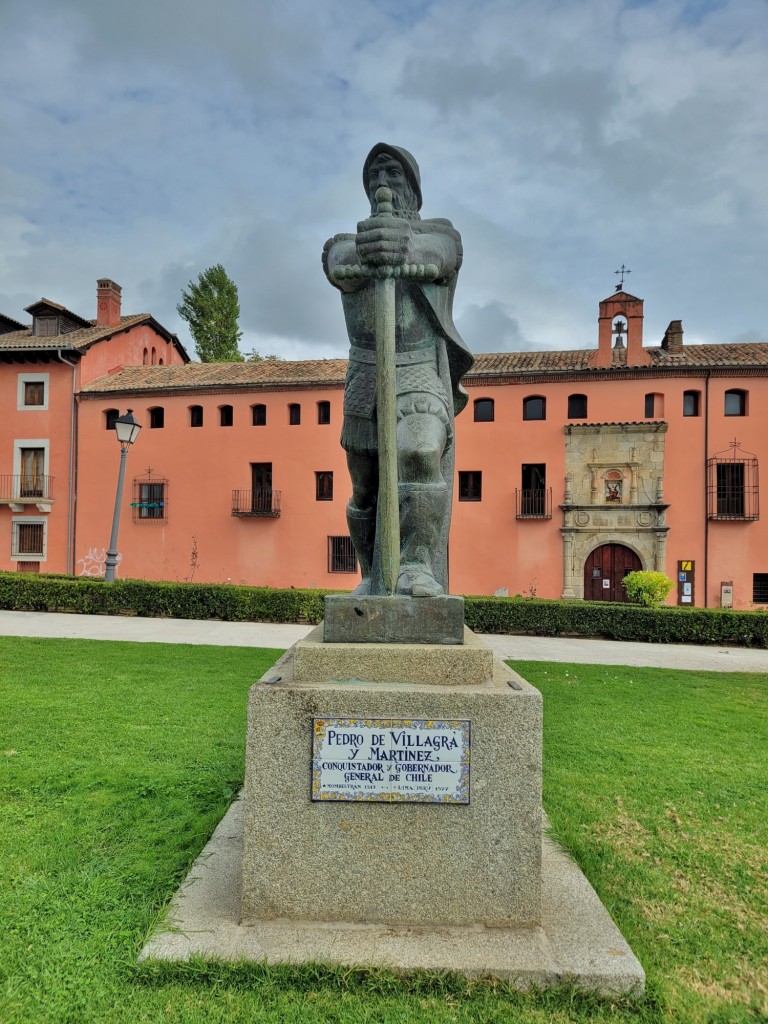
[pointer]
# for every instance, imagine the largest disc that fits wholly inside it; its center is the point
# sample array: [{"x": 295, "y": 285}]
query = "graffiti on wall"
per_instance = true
[{"x": 94, "y": 562}]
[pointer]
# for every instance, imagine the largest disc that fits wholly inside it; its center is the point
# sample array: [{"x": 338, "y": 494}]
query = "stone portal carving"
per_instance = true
[{"x": 615, "y": 495}]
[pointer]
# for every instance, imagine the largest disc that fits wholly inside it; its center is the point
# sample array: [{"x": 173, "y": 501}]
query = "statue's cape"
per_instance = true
[{"x": 437, "y": 302}]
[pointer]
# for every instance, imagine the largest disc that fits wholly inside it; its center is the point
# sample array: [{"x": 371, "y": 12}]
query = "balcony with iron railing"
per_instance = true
[
  {"x": 264, "y": 505},
  {"x": 535, "y": 503},
  {"x": 19, "y": 489}
]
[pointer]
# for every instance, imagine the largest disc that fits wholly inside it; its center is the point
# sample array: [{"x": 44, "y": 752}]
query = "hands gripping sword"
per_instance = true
[{"x": 385, "y": 277}]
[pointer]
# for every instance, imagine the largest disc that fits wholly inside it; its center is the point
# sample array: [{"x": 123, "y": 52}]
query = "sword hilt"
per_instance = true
[
  {"x": 410, "y": 271},
  {"x": 363, "y": 271}
]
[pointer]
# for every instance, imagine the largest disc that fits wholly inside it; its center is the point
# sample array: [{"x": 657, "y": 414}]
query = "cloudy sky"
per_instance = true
[{"x": 145, "y": 141}]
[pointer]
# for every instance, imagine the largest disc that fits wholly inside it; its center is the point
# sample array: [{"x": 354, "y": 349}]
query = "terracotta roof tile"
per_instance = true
[
  {"x": 80, "y": 339},
  {"x": 307, "y": 372},
  {"x": 275, "y": 372}
]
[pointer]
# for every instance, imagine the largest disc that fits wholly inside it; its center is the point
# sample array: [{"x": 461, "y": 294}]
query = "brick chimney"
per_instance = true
[
  {"x": 108, "y": 303},
  {"x": 673, "y": 337},
  {"x": 631, "y": 309}
]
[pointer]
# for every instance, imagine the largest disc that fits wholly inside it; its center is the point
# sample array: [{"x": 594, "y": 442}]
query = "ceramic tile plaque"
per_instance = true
[{"x": 390, "y": 760}]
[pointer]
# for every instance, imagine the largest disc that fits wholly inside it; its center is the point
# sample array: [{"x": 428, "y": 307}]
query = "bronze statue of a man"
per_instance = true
[{"x": 430, "y": 360}]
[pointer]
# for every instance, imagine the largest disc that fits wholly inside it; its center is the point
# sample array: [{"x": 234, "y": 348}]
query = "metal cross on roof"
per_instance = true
[{"x": 622, "y": 271}]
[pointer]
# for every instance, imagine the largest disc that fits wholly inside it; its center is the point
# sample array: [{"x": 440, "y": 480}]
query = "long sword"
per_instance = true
[{"x": 388, "y": 526}]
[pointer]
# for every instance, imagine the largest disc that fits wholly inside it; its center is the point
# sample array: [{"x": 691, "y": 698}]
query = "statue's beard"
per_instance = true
[{"x": 403, "y": 203}]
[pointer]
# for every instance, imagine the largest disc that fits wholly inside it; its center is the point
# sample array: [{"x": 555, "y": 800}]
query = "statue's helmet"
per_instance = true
[{"x": 410, "y": 167}]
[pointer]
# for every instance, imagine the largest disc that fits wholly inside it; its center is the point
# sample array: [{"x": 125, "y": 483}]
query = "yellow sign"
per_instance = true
[{"x": 686, "y": 566}]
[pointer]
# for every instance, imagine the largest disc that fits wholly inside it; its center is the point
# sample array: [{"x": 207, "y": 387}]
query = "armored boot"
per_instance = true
[
  {"x": 362, "y": 530},
  {"x": 422, "y": 509}
]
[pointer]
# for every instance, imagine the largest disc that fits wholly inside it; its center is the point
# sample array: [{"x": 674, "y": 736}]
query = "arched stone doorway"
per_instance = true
[{"x": 604, "y": 570}]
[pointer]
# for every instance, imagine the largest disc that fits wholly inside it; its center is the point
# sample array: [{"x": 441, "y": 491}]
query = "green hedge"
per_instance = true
[
  {"x": 616, "y": 621},
  {"x": 92, "y": 596},
  {"x": 89, "y": 595}
]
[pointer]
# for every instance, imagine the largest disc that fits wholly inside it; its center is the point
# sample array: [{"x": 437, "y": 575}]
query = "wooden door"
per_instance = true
[
  {"x": 604, "y": 570},
  {"x": 261, "y": 487}
]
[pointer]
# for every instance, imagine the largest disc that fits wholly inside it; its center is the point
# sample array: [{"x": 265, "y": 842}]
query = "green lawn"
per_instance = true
[{"x": 118, "y": 760}]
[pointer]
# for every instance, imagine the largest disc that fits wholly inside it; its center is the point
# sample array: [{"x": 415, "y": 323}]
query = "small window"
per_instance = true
[
  {"x": 691, "y": 403},
  {"x": 150, "y": 500},
  {"x": 154, "y": 355},
  {"x": 32, "y": 391},
  {"x": 324, "y": 413},
  {"x": 654, "y": 405},
  {"x": 484, "y": 410},
  {"x": 157, "y": 417},
  {"x": 145, "y": 358},
  {"x": 735, "y": 402},
  {"x": 226, "y": 415},
  {"x": 535, "y": 408},
  {"x": 324, "y": 486},
  {"x": 760, "y": 587},
  {"x": 294, "y": 414},
  {"x": 577, "y": 407},
  {"x": 341, "y": 555},
  {"x": 195, "y": 415},
  {"x": 470, "y": 485},
  {"x": 110, "y": 415},
  {"x": 28, "y": 539},
  {"x": 259, "y": 415}
]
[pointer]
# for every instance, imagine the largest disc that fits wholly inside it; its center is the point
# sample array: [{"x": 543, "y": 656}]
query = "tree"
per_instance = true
[{"x": 212, "y": 310}]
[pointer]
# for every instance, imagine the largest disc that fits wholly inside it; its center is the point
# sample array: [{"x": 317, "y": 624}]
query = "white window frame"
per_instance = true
[
  {"x": 29, "y": 521},
  {"x": 32, "y": 378}
]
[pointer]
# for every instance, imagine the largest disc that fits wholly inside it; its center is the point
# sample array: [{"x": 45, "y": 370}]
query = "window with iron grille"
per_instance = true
[
  {"x": 341, "y": 555},
  {"x": 577, "y": 407},
  {"x": 294, "y": 414},
  {"x": 28, "y": 539},
  {"x": 760, "y": 587},
  {"x": 324, "y": 486},
  {"x": 470, "y": 485},
  {"x": 259, "y": 413},
  {"x": 195, "y": 415},
  {"x": 732, "y": 485},
  {"x": 150, "y": 500},
  {"x": 324, "y": 413},
  {"x": 484, "y": 410}
]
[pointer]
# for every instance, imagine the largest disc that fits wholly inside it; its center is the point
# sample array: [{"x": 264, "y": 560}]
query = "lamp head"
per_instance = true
[{"x": 127, "y": 428}]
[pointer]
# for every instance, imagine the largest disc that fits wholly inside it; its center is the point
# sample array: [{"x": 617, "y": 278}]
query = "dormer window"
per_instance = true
[{"x": 46, "y": 326}]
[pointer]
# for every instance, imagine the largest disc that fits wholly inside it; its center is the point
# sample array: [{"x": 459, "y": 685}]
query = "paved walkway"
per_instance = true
[{"x": 280, "y": 636}]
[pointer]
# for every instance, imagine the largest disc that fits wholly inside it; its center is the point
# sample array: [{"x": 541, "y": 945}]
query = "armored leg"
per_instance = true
[
  {"x": 362, "y": 530},
  {"x": 422, "y": 510}
]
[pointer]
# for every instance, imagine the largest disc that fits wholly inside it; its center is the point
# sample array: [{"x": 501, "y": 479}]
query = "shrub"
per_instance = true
[
  {"x": 89, "y": 595},
  {"x": 647, "y": 588}
]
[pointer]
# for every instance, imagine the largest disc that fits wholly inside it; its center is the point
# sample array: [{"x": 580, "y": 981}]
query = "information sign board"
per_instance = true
[{"x": 390, "y": 760}]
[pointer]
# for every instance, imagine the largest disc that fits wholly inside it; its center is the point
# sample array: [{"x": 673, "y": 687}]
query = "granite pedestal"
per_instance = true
[{"x": 466, "y": 887}]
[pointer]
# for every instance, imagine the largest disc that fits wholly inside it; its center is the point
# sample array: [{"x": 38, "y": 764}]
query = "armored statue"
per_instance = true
[{"x": 397, "y": 258}]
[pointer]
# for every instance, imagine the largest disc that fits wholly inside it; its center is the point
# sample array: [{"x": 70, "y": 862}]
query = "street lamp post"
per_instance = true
[{"x": 127, "y": 430}]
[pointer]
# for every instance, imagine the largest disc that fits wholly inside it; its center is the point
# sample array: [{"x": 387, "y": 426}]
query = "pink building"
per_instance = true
[
  {"x": 573, "y": 467},
  {"x": 43, "y": 366}
]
